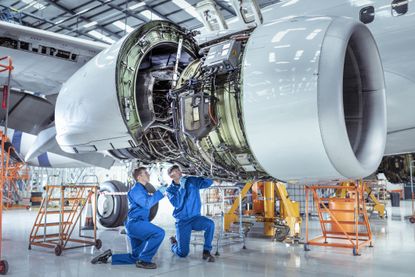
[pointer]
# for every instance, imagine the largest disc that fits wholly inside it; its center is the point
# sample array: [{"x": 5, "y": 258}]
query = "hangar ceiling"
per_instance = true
[{"x": 105, "y": 20}]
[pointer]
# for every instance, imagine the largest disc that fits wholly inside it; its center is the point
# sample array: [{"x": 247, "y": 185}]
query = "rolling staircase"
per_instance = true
[{"x": 60, "y": 211}]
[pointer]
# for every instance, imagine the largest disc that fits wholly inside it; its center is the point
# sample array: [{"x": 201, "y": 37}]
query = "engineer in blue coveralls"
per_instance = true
[
  {"x": 183, "y": 194},
  {"x": 145, "y": 237}
]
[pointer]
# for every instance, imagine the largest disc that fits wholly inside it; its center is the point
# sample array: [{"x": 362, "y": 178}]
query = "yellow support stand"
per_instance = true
[
  {"x": 269, "y": 208},
  {"x": 289, "y": 210},
  {"x": 379, "y": 207},
  {"x": 230, "y": 217},
  {"x": 342, "y": 192}
]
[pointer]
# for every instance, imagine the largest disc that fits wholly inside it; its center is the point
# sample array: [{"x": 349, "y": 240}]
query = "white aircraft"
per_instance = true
[{"x": 302, "y": 91}]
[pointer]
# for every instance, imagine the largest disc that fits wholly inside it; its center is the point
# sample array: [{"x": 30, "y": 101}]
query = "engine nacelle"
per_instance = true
[
  {"x": 314, "y": 99},
  {"x": 98, "y": 108},
  {"x": 299, "y": 100}
]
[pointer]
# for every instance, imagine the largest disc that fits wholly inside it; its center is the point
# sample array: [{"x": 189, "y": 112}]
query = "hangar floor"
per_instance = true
[{"x": 393, "y": 254}]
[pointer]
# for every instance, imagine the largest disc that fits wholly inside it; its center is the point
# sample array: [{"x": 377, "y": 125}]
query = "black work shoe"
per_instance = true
[
  {"x": 146, "y": 265},
  {"x": 207, "y": 256},
  {"x": 173, "y": 240},
  {"x": 102, "y": 258}
]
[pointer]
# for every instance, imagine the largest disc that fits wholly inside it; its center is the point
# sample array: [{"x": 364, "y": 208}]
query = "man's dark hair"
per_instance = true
[
  {"x": 138, "y": 171},
  {"x": 173, "y": 168}
]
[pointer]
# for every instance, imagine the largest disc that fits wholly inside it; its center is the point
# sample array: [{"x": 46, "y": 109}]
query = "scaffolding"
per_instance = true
[
  {"x": 6, "y": 151},
  {"x": 15, "y": 188},
  {"x": 344, "y": 221},
  {"x": 70, "y": 201}
]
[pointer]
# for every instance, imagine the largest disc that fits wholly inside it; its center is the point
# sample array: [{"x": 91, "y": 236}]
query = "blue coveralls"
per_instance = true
[
  {"x": 187, "y": 204},
  {"x": 145, "y": 237}
]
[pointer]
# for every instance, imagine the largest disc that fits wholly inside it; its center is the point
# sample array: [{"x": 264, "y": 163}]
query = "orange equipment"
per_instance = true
[
  {"x": 89, "y": 223},
  {"x": 373, "y": 202},
  {"x": 15, "y": 172},
  {"x": 258, "y": 198},
  {"x": 69, "y": 215},
  {"x": 5, "y": 152},
  {"x": 344, "y": 221}
]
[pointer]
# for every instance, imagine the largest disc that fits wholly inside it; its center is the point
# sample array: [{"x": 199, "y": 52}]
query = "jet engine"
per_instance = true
[{"x": 299, "y": 100}]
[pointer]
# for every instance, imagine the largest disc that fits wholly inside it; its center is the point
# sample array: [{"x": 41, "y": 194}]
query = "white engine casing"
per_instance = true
[
  {"x": 293, "y": 107},
  {"x": 87, "y": 114},
  {"x": 300, "y": 119}
]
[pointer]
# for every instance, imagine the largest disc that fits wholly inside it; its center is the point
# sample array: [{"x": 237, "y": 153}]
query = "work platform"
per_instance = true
[
  {"x": 67, "y": 202},
  {"x": 344, "y": 221}
]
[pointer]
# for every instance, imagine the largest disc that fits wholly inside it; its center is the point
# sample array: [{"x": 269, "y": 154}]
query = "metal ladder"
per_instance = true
[{"x": 71, "y": 200}]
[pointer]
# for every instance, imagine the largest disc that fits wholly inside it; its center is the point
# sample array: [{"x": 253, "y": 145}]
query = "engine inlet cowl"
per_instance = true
[{"x": 314, "y": 104}]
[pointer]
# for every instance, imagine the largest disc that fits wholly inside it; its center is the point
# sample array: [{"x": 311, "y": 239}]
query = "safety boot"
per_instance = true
[
  {"x": 102, "y": 258},
  {"x": 145, "y": 265},
  {"x": 173, "y": 240},
  {"x": 207, "y": 256}
]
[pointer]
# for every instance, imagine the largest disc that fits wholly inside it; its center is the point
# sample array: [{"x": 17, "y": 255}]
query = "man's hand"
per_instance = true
[
  {"x": 162, "y": 189},
  {"x": 183, "y": 182}
]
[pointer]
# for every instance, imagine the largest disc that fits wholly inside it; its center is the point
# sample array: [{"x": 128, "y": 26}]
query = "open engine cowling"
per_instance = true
[{"x": 299, "y": 100}]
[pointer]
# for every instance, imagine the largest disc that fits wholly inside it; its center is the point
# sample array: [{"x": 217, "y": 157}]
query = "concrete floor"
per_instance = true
[{"x": 393, "y": 254}]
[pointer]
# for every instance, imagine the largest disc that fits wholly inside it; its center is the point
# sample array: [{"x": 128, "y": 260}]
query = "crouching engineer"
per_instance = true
[
  {"x": 183, "y": 194},
  {"x": 145, "y": 237}
]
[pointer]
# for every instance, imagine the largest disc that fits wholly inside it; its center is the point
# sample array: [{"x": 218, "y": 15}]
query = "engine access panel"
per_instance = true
[{"x": 223, "y": 57}]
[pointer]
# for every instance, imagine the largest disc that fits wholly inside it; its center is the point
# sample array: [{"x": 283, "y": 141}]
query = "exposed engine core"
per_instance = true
[
  {"x": 299, "y": 100},
  {"x": 195, "y": 122}
]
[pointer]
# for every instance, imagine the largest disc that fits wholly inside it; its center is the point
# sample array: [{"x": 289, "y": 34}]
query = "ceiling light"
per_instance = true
[
  {"x": 39, "y": 6},
  {"x": 60, "y": 21},
  {"x": 90, "y": 24},
  {"x": 152, "y": 16},
  {"x": 136, "y": 6},
  {"x": 101, "y": 36},
  {"x": 83, "y": 11},
  {"x": 33, "y": 3},
  {"x": 123, "y": 26},
  {"x": 188, "y": 8}
]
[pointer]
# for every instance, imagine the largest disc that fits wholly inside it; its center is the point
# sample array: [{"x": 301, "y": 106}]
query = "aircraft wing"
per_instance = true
[
  {"x": 29, "y": 112},
  {"x": 42, "y": 62}
]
